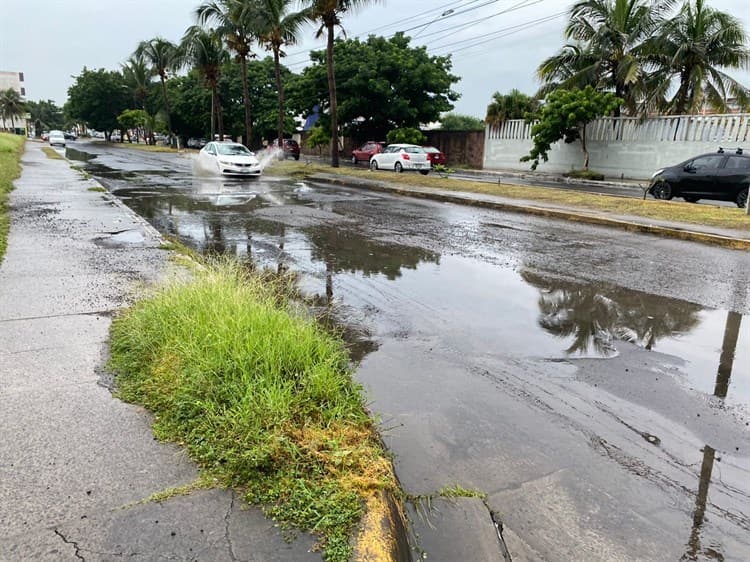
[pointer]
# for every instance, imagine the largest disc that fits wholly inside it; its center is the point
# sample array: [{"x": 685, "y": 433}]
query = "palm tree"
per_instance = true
[
  {"x": 694, "y": 46},
  {"x": 138, "y": 78},
  {"x": 162, "y": 55},
  {"x": 513, "y": 105},
  {"x": 204, "y": 51},
  {"x": 11, "y": 105},
  {"x": 610, "y": 39},
  {"x": 235, "y": 22},
  {"x": 328, "y": 14},
  {"x": 277, "y": 27}
]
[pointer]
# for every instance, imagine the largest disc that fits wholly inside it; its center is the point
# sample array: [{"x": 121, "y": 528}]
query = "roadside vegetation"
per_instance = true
[
  {"x": 259, "y": 393},
  {"x": 11, "y": 147},
  {"x": 51, "y": 153},
  {"x": 722, "y": 217}
]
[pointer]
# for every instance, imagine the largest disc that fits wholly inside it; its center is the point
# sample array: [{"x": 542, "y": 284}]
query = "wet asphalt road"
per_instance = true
[{"x": 594, "y": 384}]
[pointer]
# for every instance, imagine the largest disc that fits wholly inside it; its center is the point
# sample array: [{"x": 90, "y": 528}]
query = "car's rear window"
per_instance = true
[
  {"x": 431, "y": 149},
  {"x": 414, "y": 149},
  {"x": 738, "y": 163}
]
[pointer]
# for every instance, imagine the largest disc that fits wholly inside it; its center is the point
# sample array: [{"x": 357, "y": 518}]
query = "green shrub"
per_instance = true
[
  {"x": 405, "y": 136},
  {"x": 11, "y": 147}
]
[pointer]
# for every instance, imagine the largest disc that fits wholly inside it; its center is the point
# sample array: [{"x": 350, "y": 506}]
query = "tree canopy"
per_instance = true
[
  {"x": 564, "y": 115},
  {"x": 458, "y": 122},
  {"x": 97, "y": 98},
  {"x": 382, "y": 84},
  {"x": 513, "y": 105}
]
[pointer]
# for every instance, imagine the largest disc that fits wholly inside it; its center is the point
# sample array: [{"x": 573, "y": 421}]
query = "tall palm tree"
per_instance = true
[
  {"x": 276, "y": 27},
  {"x": 328, "y": 14},
  {"x": 694, "y": 46},
  {"x": 513, "y": 105},
  {"x": 11, "y": 106},
  {"x": 138, "y": 78},
  {"x": 610, "y": 39},
  {"x": 162, "y": 56},
  {"x": 235, "y": 22},
  {"x": 203, "y": 50}
]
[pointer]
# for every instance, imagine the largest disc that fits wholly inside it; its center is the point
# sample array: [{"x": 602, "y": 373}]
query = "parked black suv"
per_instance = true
[{"x": 722, "y": 175}]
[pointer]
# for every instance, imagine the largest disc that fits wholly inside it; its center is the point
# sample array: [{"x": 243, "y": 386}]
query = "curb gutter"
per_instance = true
[{"x": 576, "y": 216}]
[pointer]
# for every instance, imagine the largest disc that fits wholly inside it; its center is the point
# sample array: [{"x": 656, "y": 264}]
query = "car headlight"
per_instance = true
[
  {"x": 657, "y": 173},
  {"x": 225, "y": 163}
]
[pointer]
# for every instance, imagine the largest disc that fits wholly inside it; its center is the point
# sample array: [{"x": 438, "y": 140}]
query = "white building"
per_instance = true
[{"x": 13, "y": 81}]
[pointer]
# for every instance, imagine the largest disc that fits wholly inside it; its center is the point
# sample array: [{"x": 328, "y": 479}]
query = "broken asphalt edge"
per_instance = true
[{"x": 468, "y": 198}]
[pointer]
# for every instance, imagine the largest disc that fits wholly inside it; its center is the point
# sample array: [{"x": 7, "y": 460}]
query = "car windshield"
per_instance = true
[{"x": 232, "y": 150}]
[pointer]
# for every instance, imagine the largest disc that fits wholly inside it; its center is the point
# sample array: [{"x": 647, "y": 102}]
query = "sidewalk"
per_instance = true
[
  {"x": 731, "y": 238},
  {"x": 77, "y": 465}
]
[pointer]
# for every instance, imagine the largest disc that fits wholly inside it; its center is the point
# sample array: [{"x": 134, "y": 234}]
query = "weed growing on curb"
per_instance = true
[
  {"x": 261, "y": 397},
  {"x": 11, "y": 148}
]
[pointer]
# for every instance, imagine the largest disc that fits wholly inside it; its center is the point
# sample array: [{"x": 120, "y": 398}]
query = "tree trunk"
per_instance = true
[
  {"x": 246, "y": 97},
  {"x": 166, "y": 103},
  {"x": 219, "y": 114},
  {"x": 332, "y": 99},
  {"x": 583, "y": 146},
  {"x": 280, "y": 90},
  {"x": 213, "y": 116}
]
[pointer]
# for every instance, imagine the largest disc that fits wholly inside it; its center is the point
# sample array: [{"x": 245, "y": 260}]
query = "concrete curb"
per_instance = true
[{"x": 576, "y": 216}]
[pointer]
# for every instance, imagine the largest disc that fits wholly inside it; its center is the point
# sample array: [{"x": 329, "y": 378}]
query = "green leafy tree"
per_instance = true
[
  {"x": 406, "y": 135},
  {"x": 163, "y": 57},
  {"x": 319, "y": 136},
  {"x": 514, "y": 105},
  {"x": 458, "y": 122},
  {"x": 137, "y": 75},
  {"x": 611, "y": 40},
  {"x": 564, "y": 115},
  {"x": 277, "y": 26},
  {"x": 328, "y": 14},
  {"x": 191, "y": 105},
  {"x": 97, "y": 98},
  {"x": 11, "y": 106},
  {"x": 383, "y": 84},
  {"x": 133, "y": 119},
  {"x": 203, "y": 51},
  {"x": 694, "y": 48},
  {"x": 236, "y": 22},
  {"x": 45, "y": 115}
]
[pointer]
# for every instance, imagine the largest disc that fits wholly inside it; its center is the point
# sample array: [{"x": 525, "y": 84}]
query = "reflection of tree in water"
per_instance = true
[
  {"x": 596, "y": 315},
  {"x": 345, "y": 250}
]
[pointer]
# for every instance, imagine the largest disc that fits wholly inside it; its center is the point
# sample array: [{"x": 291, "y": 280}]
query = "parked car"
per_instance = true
[
  {"x": 45, "y": 135},
  {"x": 434, "y": 155},
  {"x": 291, "y": 148},
  {"x": 56, "y": 138},
  {"x": 229, "y": 159},
  {"x": 721, "y": 176},
  {"x": 70, "y": 136},
  {"x": 196, "y": 142},
  {"x": 400, "y": 157},
  {"x": 366, "y": 151}
]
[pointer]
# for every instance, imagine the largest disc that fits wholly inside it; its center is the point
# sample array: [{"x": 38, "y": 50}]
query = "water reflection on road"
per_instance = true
[{"x": 509, "y": 360}]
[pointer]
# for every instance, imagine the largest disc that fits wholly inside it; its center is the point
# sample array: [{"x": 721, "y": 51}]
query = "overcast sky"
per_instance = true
[{"x": 50, "y": 41}]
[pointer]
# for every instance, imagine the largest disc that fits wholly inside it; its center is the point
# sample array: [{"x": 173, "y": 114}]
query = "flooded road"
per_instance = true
[{"x": 594, "y": 384}]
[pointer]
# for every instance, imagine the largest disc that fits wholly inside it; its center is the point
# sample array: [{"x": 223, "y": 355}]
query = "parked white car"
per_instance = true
[
  {"x": 56, "y": 138},
  {"x": 229, "y": 159},
  {"x": 400, "y": 157}
]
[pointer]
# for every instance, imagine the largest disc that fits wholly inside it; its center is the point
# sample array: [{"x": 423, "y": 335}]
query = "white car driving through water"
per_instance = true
[{"x": 229, "y": 159}]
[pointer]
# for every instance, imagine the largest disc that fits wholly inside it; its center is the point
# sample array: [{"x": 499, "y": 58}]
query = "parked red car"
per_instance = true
[
  {"x": 435, "y": 156},
  {"x": 291, "y": 149},
  {"x": 365, "y": 152}
]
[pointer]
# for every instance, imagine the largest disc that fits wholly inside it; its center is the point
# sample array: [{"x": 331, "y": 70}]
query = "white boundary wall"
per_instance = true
[{"x": 623, "y": 147}]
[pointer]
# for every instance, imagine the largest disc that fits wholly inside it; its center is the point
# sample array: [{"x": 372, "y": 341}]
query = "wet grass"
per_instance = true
[
  {"x": 11, "y": 148},
  {"x": 259, "y": 394},
  {"x": 708, "y": 215},
  {"x": 52, "y": 153},
  {"x": 145, "y": 147}
]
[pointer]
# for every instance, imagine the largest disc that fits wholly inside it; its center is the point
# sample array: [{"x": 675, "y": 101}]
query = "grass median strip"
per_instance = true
[
  {"x": 708, "y": 215},
  {"x": 260, "y": 394},
  {"x": 11, "y": 148}
]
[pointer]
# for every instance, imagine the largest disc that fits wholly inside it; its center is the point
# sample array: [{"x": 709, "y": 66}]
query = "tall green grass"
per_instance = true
[
  {"x": 11, "y": 147},
  {"x": 261, "y": 397}
]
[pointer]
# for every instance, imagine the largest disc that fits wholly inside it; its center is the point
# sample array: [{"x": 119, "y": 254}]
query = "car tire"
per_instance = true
[
  {"x": 662, "y": 190},
  {"x": 691, "y": 199},
  {"x": 296, "y": 156},
  {"x": 354, "y": 160},
  {"x": 424, "y": 172},
  {"x": 398, "y": 167},
  {"x": 741, "y": 198},
  {"x": 373, "y": 165}
]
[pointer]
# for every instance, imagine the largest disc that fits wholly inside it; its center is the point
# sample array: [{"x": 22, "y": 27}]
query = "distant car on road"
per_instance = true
[
  {"x": 400, "y": 157},
  {"x": 229, "y": 159},
  {"x": 194, "y": 142},
  {"x": 56, "y": 138},
  {"x": 722, "y": 176},
  {"x": 70, "y": 136},
  {"x": 291, "y": 148},
  {"x": 366, "y": 151},
  {"x": 435, "y": 156}
]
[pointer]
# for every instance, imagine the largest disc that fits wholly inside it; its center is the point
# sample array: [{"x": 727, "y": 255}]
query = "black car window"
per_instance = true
[
  {"x": 707, "y": 162},
  {"x": 738, "y": 163}
]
